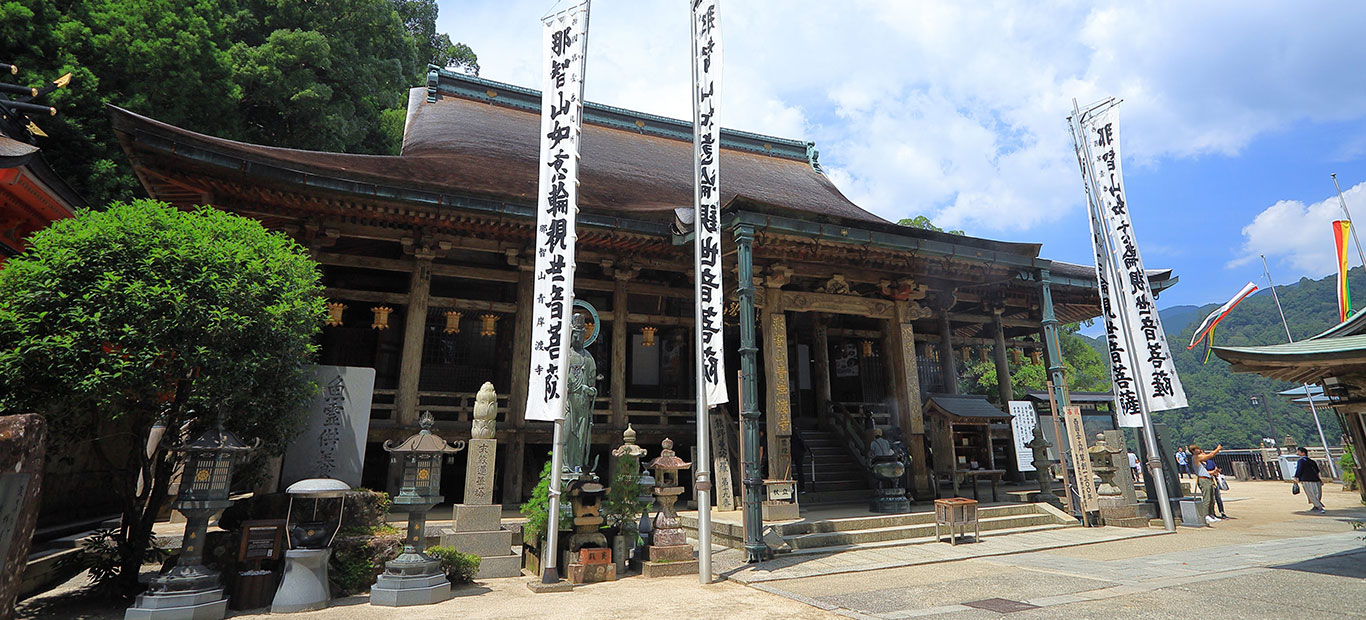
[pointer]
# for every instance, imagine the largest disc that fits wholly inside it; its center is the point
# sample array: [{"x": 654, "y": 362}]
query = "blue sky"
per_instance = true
[{"x": 1234, "y": 113}]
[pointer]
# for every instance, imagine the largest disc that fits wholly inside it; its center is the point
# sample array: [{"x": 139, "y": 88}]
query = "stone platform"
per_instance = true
[
  {"x": 669, "y": 560},
  {"x": 477, "y": 529}
]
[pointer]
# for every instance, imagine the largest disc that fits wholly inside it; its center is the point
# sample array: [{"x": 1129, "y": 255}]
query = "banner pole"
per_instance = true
[
  {"x": 552, "y": 524},
  {"x": 1149, "y": 435}
]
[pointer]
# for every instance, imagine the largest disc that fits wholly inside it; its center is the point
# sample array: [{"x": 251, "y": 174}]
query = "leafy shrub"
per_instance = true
[
  {"x": 357, "y": 560},
  {"x": 537, "y": 510},
  {"x": 1347, "y": 464},
  {"x": 459, "y": 567},
  {"x": 101, "y": 553},
  {"x": 366, "y": 509},
  {"x": 622, "y": 507}
]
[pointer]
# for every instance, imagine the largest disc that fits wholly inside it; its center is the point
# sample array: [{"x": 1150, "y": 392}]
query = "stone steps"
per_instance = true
[
  {"x": 883, "y": 530},
  {"x": 1005, "y": 531}
]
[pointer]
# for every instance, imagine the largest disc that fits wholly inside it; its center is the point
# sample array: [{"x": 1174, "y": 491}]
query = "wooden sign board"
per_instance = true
[
  {"x": 1081, "y": 461},
  {"x": 781, "y": 490},
  {"x": 262, "y": 540}
]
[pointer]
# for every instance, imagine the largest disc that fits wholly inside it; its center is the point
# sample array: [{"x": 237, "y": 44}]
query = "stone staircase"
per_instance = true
[
  {"x": 837, "y": 476},
  {"x": 843, "y": 534}
]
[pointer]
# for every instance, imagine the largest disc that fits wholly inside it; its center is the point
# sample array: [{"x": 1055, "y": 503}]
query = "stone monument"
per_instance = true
[
  {"x": 21, "y": 482},
  {"x": 332, "y": 443},
  {"x": 1043, "y": 468},
  {"x": 669, "y": 551},
  {"x": 477, "y": 523},
  {"x": 1119, "y": 506}
]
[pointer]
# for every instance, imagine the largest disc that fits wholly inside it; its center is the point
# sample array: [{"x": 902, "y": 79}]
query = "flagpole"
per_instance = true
[
  {"x": 1149, "y": 435},
  {"x": 1332, "y": 469},
  {"x": 552, "y": 524},
  {"x": 1343, "y": 203}
]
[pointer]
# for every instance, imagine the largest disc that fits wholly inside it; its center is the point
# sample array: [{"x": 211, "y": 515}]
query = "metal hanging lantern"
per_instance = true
[
  {"x": 647, "y": 336},
  {"x": 867, "y": 348},
  {"x": 452, "y": 322}
]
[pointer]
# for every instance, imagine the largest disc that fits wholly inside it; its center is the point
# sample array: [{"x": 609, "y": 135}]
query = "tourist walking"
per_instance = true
[
  {"x": 1182, "y": 462},
  {"x": 1133, "y": 464},
  {"x": 1205, "y": 480},
  {"x": 1307, "y": 476}
]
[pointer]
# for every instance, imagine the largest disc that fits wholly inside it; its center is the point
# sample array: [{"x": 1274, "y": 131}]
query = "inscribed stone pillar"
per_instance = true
[
  {"x": 414, "y": 332},
  {"x": 620, "y": 338},
  {"x": 21, "y": 482},
  {"x": 483, "y": 448},
  {"x": 779, "y": 415}
]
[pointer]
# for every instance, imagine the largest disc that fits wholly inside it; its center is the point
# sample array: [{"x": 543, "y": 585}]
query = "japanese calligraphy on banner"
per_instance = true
[
  {"x": 706, "y": 71},
  {"x": 564, "y": 46},
  {"x": 1127, "y": 408},
  {"x": 1131, "y": 320},
  {"x": 1023, "y": 420}
]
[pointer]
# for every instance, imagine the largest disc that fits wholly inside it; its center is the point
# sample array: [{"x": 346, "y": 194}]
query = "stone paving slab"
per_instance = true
[{"x": 730, "y": 563}]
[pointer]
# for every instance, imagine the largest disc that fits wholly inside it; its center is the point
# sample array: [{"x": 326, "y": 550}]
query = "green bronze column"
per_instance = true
[
  {"x": 749, "y": 395},
  {"x": 1056, "y": 373}
]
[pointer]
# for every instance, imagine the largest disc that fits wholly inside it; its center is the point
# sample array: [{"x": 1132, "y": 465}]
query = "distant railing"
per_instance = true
[{"x": 445, "y": 406}]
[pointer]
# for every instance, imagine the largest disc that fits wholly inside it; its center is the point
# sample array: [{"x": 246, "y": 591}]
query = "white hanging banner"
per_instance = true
[
  {"x": 706, "y": 71},
  {"x": 564, "y": 43},
  {"x": 1127, "y": 411},
  {"x": 1155, "y": 373},
  {"x": 1023, "y": 421}
]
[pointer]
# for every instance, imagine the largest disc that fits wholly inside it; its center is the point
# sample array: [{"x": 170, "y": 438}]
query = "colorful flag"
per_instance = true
[
  {"x": 1207, "y": 326},
  {"x": 1341, "y": 230}
]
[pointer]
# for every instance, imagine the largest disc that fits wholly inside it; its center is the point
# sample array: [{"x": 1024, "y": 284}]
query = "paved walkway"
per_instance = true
[
  {"x": 1274, "y": 561},
  {"x": 730, "y": 563}
]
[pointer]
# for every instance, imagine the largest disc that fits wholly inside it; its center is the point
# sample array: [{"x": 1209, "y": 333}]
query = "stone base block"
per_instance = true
[
  {"x": 668, "y": 569},
  {"x": 206, "y": 605},
  {"x": 1141, "y": 522},
  {"x": 780, "y": 511},
  {"x": 474, "y": 518},
  {"x": 672, "y": 553},
  {"x": 591, "y": 573},
  {"x": 544, "y": 588},
  {"x": 395, "y": 591},
  {"x": 482, "y": 543},
  {"x": 496, "y": 566}
]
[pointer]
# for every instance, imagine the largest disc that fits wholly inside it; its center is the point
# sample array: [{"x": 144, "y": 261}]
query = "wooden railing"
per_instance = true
[{"x": 445, "y": 406}]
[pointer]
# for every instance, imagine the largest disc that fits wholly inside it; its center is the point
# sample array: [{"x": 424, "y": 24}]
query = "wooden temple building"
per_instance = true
[{"x": 426, "y": 258}]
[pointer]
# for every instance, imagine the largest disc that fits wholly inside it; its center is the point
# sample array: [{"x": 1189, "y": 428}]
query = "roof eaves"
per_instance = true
[{"x": 444, "y": 81}]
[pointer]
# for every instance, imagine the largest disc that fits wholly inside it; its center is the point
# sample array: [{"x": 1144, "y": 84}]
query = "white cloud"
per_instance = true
[
  {"x": 956, "y": 110},
  {"x": 1299, "y": 235}
]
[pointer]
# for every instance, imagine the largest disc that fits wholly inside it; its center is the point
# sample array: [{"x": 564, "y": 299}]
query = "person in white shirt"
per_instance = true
[{"x": 1133, "y": 464}]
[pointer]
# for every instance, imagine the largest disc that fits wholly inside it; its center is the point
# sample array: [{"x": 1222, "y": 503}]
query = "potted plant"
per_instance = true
[{"x": 622, "y": 507}]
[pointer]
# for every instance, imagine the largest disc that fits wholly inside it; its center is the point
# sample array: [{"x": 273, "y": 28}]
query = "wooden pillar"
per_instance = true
[
  {"x": 515, "y": 463},
  {"x": 820, "y": 346},
  {"x": 414, "y": 332},
  {"x": 948, "y": 367},
  {"x": 620, "y": 337},
  {"x": 779, "y": 415},
  {"x": 1003, "y": 385},
  {"x": 904, "y": 382}
]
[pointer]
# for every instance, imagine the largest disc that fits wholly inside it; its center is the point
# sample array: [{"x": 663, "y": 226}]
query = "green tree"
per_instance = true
[
  {"x": 312, "y": 75},
  {"x": 1084, "y": 367},
  {"x": 924, "y": 223},
  {"x": 112, "y": 321}
]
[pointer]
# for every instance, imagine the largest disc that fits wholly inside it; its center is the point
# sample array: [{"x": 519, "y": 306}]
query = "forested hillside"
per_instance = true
[{"x": 1220, "y": 409}]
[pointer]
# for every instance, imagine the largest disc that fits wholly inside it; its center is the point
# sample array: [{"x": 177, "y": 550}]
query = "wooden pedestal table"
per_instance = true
[{"x": 959, "y": 512}]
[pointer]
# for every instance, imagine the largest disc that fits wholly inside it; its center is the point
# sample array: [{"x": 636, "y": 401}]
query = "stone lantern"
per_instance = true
[
  {"x": 190, "y": 589},
  {"x": 669, "y": 551},
  {"x": 415, "y": 578}
]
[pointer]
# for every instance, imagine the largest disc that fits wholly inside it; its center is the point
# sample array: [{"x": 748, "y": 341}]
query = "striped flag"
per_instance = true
[
  {"x": 1341, "y": 230},
  {"x": 1207, "y": 326}
]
